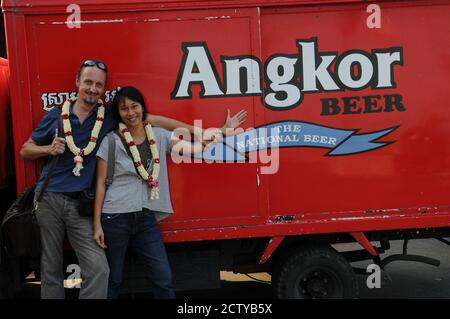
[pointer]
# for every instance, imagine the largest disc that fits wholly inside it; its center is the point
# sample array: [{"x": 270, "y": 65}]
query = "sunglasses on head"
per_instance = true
[{"x": 100, "y": 65}]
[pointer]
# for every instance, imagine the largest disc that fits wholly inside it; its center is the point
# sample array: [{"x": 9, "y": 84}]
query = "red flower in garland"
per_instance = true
[
  {"x": 93, "y": 139},
  {"x": 131, "y": 144},
  {"x": 68, "y": 133},
  {"x": 152, "y": 142},
  {"x": 65, "y": 116},
  {"x": 157, "y": 160},
  {"x": 153, "y": 184}
]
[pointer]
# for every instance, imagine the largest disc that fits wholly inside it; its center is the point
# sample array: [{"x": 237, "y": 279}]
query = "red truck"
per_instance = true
[
  {"x": 346, "y": 140},
  {"x": 7, "y": 178}
]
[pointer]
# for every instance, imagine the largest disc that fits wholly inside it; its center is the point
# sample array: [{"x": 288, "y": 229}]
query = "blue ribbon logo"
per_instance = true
[{"x": 294, "y": 134}]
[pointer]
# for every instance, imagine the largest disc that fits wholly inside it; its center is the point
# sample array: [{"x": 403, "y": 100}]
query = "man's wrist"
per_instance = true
[{"x": 48, "y": 150}]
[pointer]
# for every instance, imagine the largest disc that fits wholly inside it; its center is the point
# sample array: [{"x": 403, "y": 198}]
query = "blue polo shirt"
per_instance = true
[{"x": 62, "y": 179}]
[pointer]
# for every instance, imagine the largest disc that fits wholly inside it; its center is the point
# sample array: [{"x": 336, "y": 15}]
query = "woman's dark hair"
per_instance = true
[{"x": 133, "y": 94}]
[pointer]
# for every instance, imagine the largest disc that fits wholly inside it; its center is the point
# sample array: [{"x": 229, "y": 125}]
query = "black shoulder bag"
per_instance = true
[{"x": 20, "y": 229}]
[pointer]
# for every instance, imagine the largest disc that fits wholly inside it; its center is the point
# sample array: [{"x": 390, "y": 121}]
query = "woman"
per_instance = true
[{"x": 129, "y": 211}]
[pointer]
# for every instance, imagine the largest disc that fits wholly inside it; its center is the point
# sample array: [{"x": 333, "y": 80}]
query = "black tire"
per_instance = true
[{"x": 314, "y": 273}]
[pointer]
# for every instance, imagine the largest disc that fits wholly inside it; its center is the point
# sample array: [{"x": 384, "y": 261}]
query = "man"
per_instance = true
[
  {"x": 87, "y": 124},
  {"x": 57, "y": 212}
]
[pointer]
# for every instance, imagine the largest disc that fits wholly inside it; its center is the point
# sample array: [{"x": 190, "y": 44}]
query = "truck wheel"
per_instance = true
[{"x": 314, "y": 273}]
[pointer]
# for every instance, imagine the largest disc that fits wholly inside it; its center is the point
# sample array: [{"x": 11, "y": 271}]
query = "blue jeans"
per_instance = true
[{"x": 142, "y": 231}]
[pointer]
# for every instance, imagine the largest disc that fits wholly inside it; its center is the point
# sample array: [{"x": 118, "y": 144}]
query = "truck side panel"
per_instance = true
[
  {"x": 413, "y": 171},
  {"x": 365, "y": 140},
  {"x": 150, "y": 59}
]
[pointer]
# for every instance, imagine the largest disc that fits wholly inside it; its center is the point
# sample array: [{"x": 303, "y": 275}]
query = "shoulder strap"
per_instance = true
[
  {"x": 125, "y": 146},
  {"x": 124, "y": 143},
  {"x": 53, "y": 163},
  {"x": 111, "y": 159}
]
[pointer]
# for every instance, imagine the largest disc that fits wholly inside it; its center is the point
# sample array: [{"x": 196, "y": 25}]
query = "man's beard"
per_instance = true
[{"x": 90, "y": 100}]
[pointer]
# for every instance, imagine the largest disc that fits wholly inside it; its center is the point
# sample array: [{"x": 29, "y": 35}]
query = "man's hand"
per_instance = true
[
  {"x": 233, "y": 122},
  {"x": 58, "y": 145},
  {"x": 216, "y": 134},
  {"x": 236, "y": 120}
]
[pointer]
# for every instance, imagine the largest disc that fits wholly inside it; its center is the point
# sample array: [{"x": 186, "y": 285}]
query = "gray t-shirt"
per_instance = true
[{"x": 128, "y": 191}]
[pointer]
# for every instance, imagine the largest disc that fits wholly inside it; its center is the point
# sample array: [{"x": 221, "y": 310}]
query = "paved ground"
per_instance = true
[{"x": 409, "y": 280}]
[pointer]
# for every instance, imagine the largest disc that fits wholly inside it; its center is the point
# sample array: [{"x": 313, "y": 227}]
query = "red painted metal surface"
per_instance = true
[
  {"x": 160, "y": 5},
  {"x": 401, "y": 185},
  {"x": 364, "y": 242},
  {"x": 6, "y": 143},
  {"x": 271, "y": 247}
]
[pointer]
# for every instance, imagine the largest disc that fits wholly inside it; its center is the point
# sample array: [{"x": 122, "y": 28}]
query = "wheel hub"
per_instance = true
[{"x": 317, "y": 284}]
